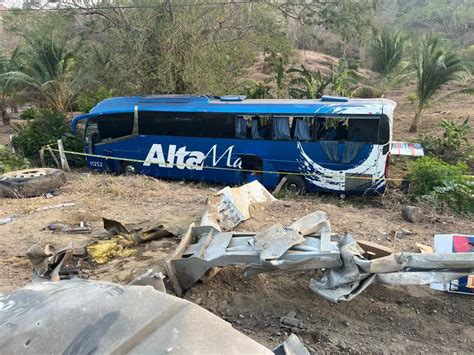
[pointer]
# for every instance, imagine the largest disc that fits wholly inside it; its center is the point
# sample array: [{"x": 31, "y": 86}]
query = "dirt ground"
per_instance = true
[{"x": 411, "y": 319}]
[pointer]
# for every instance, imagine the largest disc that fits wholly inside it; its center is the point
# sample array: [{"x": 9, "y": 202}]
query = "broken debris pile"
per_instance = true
[
  {"x": 50, "y": 264},
  {"x": 123, "y": 239},
  {"x": 308, "y": 244},
  {"x": 231, "y": 205}
]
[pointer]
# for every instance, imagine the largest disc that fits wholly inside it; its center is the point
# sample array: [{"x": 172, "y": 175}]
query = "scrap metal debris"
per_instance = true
[
  {"x": 205, "y": 247},
  {"x": 291, "y": 346},
  {"x": 50, "y": 207},
  {"x": 49, "y": 263},
  {"x": 308, "y": 244},
  {"x": 231, "y": 205},
  {"x": 125, "y": 239},
  {"x": 81, "y": 228},
  {"x": 7, "y": 220},
  {"x": 150, "y": 278},
  {"x": 101, "y": 317}
]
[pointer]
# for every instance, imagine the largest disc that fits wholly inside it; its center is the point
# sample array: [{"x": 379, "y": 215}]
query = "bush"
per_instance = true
[
  {"x": 29, "y": 114},
  {"x": 442, "y": 184},
  {"x": 366, "y": 92},
  {"x": 453, "y": 145},
  {"x": 87, "y": 101},
  {"x": 46, "y": 128},
  {"x": 10, "y": 161}
]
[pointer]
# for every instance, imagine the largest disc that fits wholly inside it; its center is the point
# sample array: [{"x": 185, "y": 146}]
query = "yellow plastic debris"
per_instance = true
[{"x": 105, "y": 250}]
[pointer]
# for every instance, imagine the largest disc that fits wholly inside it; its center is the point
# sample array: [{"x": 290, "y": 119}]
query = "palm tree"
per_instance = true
[
  {"x": 45, "y": 72},
  {"x": 387, "y": 51},
  {"x": 434, "y": 67},
  {"x": 309, "y": 85}
]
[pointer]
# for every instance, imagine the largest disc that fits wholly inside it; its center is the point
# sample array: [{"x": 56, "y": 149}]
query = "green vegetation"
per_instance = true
[
  {"x": 387, "y": 51},
  {"x": 46, "y": 128},
  {"x": 442, "y": 184},
  {"x": 434, "y": 68},
  {"x": 313, "y": 85},
  {"x": 10, "y": 161},
  {"x": 453, "y": 144}
]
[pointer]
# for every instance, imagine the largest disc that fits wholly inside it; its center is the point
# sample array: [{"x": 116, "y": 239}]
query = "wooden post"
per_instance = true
[
  {"x": 62, "y": 156},
  {"x": 54, "y": 156},
  {"x": 279, "y": 186},
  {"x": 42, "y": 156}
]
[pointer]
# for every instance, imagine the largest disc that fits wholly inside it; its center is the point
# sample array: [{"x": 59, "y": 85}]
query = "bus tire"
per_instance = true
[
  {"x": 128, "y": 169},
  {"x": 294, "y": 185},
  {"x": 31, "y": 182}
]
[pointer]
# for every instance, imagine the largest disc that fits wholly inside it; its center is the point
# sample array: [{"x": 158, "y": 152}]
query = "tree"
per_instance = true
[
  {"x": 5, "y": 65},
  {"x": 313, "y": 85},
  {"x": 387, "y": 51},
  {"x": 308, "y": 84},
  {"x": 45, "y": 72},
  {"x": 434, "y": 67}
]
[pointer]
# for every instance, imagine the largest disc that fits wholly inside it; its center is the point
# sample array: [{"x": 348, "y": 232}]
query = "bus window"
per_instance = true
[
  {"x": 354, "y": 129},
  {"x": 384, "y": 130},
  {"x": 261, "y": 127},
  {"x": 187, "y": 124},
  {"x": 302, "y": 128},
  {"x": 241, "y": 127},
  {"x": 115, "y": 125},
  {"x": 281, "y": 128}
]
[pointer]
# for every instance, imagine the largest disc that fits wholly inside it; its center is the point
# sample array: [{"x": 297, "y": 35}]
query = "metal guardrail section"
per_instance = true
[
  {"x": 277, "y": 248},
  {"x": 308, "y": 244}
]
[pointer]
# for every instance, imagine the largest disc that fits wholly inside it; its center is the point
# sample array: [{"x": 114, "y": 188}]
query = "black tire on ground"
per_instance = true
[
  {"x": 128, "y": 169},
  {"x": 294, "y": 185},
  {"x": 31, "y": 182}
]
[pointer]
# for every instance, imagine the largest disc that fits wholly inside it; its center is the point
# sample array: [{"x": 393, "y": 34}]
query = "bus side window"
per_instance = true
[
  {"x": 302, "y": 128},
  {"x": 261, "y": 127},
  {"x": 332, "y": 129},
  {"x": 241, "y": 127},
  {"x": 115, "y": 125},
  {"x": 281, "y": 128},
  {"x": 363, "y": 130}
]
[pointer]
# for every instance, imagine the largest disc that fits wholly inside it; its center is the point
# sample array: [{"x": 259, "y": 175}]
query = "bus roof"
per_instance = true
[{"x": 241, "y": 105}]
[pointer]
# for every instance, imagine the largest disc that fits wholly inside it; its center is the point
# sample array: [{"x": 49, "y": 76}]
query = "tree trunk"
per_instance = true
[{"x": 416, "y": 122}]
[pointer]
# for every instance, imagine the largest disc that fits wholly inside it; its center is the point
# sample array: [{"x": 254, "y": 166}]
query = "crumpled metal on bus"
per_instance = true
[
  {"x": 308, "y": 244},
  {"x": 231, "y": 205}
]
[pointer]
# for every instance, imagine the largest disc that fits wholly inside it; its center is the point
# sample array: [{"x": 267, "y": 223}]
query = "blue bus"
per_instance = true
[{"x": 333, "y": 144}]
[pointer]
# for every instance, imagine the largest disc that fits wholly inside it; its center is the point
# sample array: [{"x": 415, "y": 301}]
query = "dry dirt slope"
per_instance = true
[{"x": 383, "y": 318}]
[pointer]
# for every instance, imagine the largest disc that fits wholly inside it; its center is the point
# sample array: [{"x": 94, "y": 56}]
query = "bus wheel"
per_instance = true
[
  {"x": 128, "y": 169},
  {"x": 294, "y": 185}
]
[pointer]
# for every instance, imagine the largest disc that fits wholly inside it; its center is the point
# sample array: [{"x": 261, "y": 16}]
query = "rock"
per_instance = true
[
  {"x": 412, "y": 214},
  {"x": 290, "y": 322},
  {"x": 291, "y": 314}
]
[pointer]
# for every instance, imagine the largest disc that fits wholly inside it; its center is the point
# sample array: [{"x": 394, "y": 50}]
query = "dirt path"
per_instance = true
[{"x": 411, "y": 319}]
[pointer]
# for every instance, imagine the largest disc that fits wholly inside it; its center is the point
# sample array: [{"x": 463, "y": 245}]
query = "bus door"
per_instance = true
[{"x": 92, "y": 138}]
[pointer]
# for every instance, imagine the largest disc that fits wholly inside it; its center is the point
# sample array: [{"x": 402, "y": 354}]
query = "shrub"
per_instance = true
[
  {"x": 366, "y": 92},
  {"x": 442, "y": 184},
  {"x": 29, "y": 114},
  {"x": 10, "y": 161},
  {"x": 46, "y": 128},
  {"x": 87, "y": 101},
  {"x": 453, "y": 145}
]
